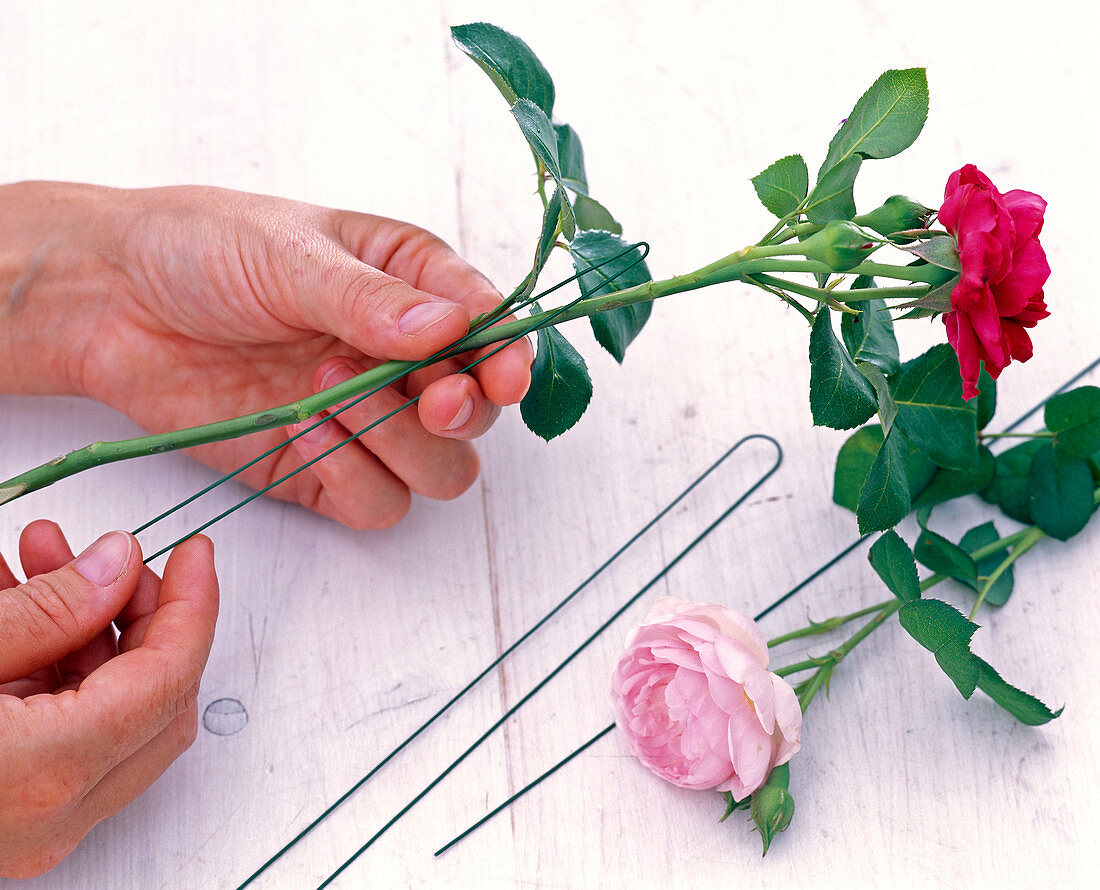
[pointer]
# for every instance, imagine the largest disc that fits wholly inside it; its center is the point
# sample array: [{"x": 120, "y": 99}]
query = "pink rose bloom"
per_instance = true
[
  {"x": 1000, "y": 290},
  {"x": 696, "y": 703}
]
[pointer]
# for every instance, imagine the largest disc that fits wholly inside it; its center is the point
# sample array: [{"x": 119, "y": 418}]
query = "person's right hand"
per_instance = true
[{"x": 87, "y": 722}]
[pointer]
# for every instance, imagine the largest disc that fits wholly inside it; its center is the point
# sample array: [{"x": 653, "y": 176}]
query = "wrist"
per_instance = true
[{"x": 56, "y": 272}]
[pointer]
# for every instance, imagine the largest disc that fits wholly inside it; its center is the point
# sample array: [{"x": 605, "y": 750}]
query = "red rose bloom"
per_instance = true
[{"x": 1004, "y": 268}]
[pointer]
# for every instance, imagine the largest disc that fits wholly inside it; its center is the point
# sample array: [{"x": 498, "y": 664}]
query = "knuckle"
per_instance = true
[
  {"x": 370, "y": 292},
  {"x": 49, "y": 795},
  {"x": 44, "y": 609}
]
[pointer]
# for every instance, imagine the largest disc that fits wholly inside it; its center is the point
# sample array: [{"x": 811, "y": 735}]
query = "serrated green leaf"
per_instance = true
[
  {"x": 551, "y": 219},
  {"x": 982, "y": 536},
  {"x": 571, "y": 158},
  {"x": 987, "y": 399},
  {"x": 887, "y": 410},
  {"x": 1059, "y": 493},
  {"x": 937, "y": 553},
  {"x": 885, "y": 121},
  {"x": 870, "y": 338},
  {"x": 854, "y": 461},
  {"x": 1023, "y": 706},
  {"x": 943, "y": 631},
  {"x": 1074, "y": 418},
  {"x": 893, "y": 561},
  {"x": 540, "y": 135},
  {"x": 884, "y": 498},
  {"x": 509, "y": 62},
  {"x": 591, "y": 214},
  {"x": 1009, "y": 488},
  {"x": 832, "y": 197},
  {"x": 948, "y": 484},
  {"x": 560, "y": 387},
  {"x": 941, "y": 251},
  {"x": 614, "y": 328},
  {"x": 783, "y": 185},
  {"x": 840, "y": 397},
  {"x": 931, "y": 410}
]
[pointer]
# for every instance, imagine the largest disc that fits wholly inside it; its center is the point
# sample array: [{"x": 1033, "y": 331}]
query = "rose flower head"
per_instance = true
[
  {"x": 696, "y": 703},
  {"x": 999, "y": 293}
]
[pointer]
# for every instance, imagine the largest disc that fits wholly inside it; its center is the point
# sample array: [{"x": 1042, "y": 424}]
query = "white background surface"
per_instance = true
[{"x": 338, "y": 643}]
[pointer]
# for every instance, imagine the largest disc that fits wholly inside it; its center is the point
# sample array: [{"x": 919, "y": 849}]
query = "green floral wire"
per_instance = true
[{"x": 451, "y": 350}]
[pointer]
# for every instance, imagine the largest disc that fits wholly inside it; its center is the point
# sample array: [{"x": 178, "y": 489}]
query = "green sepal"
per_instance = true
[
  {"x": 616, "y": 328},
  {"x": 893, "y": 561},
  {"x": 732, "y": 805},
  {"x": 840, "y": 397},
  {"x": 560, "y": 387},
  {"x": 509, "y": 62},
  {"x": 941, "y": 251}
]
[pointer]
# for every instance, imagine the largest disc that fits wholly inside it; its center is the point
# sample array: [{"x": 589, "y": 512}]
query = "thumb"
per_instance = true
[
  {"x": 374, "y": 312},
  {"x": 56, "y": 613}
]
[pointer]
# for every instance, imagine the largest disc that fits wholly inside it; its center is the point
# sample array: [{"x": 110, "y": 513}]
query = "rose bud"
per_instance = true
[
  {"x": 696, "y": 704},
  {"x": 897, "y": 214},
  {"x": 772, "y": 805},
  {"x": 841, "y": 245}
]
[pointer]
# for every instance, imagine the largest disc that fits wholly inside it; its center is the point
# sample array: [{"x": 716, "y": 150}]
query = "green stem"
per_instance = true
[
  {"x": 829, "y": 624},
  {"x": 825, "y": 664},
  {"x": 1043, "y": 435},
  {"x": 1025, "y": 544},
  {"x": 744, "y": 265}
]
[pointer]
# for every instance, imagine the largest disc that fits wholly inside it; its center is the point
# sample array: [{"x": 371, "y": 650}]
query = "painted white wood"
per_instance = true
[{"x": 338, "y": 643}]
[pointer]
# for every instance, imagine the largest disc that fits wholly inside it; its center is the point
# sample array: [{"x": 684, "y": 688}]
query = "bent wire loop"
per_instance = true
[{"x": 839, "y": 556}]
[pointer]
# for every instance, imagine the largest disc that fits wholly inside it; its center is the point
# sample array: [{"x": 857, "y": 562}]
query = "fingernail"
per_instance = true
[
  {"x": 105, "y": 561},
  {"x": 312, "y": 430},
  {"x": 463, "y": 415},
  {"x": 339, "y": 374},
  {"x": 422, "y": 316}
]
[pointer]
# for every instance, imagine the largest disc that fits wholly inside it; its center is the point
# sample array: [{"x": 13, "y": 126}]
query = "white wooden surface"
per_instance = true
[{"x": 338, "y": 643}]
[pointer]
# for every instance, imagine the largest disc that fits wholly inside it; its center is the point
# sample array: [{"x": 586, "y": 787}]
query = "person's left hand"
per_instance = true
[{"x": 181, "y": 306}]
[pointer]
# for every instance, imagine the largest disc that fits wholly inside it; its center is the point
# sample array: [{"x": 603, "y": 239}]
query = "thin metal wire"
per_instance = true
[
  {"x": 569, "y": 658},
  {"x": 445, "y": 352},
  {"x": 498, "y": 660},
  {"x": 640, "y": 246},
  {"x": 843, "y": 553}
]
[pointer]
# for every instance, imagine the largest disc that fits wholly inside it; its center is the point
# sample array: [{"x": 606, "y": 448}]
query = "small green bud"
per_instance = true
[
  {"x": 772, "y": 805},
  {"x": 897, "y": 214},
  {"x": 841, "y": 245}
]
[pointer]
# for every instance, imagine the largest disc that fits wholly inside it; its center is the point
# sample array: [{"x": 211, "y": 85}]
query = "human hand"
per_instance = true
[
  {"x": 181, "y": 306},
  {"x": 88, "y": 723}
]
